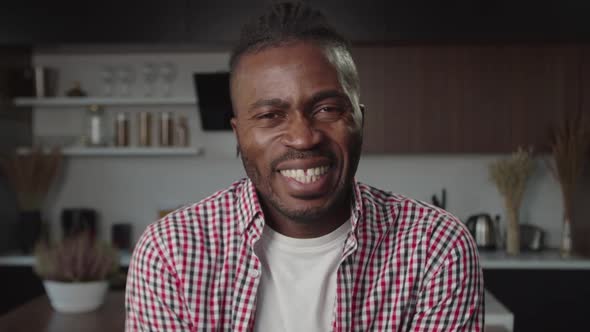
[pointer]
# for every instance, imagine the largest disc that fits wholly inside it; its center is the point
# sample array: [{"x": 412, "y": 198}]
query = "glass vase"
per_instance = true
[
  {"x": 565, "y": 248},
  {"x": 512, "y": 232}
]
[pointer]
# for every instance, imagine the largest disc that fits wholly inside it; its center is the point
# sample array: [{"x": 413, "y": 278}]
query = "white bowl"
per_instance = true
[{"x": 74, "y": 297}]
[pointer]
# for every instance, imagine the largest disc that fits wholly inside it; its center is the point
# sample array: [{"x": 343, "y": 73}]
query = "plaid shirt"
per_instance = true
[{"x": 406, "y": 266}]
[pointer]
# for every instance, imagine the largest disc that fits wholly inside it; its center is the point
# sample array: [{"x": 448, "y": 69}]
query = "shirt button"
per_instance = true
[{"x": 254, "y": 273}]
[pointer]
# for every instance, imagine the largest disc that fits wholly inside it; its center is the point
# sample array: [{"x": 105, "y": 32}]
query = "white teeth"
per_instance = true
[{"x": 305, "y": 176}]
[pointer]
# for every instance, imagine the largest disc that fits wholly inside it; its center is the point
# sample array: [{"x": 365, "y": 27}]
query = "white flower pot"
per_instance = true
[{"x": 73, "y": 297}]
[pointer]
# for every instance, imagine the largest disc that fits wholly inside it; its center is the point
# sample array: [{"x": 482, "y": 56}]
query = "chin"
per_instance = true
[{"x": 306, "y": 211}]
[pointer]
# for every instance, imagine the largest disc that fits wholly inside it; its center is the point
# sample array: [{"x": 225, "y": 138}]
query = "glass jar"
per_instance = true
[
  {"x": 122, "y": 130},
  {"x": 182, "y": 132},
  {"x": 96, "y": 126},
  {"x": 166, "y": 129}
]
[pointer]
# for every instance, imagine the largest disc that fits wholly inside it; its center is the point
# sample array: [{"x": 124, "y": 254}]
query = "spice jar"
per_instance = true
[
  {"x": 145, "y": 129},
  {"x": 182, "y": 132},
  {"x": 122, "y": 130},
  {"x": 166, "y": 129},
  {"x": 96, "y": 126}
]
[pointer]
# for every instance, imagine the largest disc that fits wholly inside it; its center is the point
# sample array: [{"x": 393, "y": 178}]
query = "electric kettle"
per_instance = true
[{"x": 484, "y": 230}]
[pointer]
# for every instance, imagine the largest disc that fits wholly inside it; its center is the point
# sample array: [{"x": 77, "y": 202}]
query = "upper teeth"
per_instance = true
[{"x": 305, "y": 176}]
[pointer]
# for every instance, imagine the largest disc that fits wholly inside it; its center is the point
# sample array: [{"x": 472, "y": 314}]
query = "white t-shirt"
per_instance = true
[{"x": 297, "y": 289}]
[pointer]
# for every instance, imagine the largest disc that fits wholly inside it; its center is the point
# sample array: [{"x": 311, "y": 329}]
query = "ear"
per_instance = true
[
  {"x": 234, "y": 126},
  {"x": 233, "y": 122},
  {"x": 362, "y": 108}
]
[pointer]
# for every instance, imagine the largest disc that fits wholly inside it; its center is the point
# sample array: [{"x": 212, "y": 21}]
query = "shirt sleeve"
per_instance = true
[
  {"x": 153, "y": 299},
  {"x": 452, "y": 296}
]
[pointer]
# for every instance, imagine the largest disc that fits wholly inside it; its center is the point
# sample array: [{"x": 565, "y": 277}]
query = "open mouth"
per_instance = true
[{"x": 305, "y": 176}]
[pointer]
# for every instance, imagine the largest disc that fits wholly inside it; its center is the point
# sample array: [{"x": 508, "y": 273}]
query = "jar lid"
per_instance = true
[{"x": 94, "y": 108}]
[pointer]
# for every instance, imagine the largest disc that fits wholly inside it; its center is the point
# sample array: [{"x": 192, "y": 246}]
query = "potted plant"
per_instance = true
[
  {"x": 510, "y": 176},
  {"x": 76, "y": 272}
]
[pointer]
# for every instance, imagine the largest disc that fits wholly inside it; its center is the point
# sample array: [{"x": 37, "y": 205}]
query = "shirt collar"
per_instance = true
[
  {"x": 248, "y": 205},
  {"x": 249, "y": 208}
]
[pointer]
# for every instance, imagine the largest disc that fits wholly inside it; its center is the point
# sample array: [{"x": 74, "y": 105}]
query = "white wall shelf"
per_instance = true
[
  {"x": 127, "y": 151},
  {"x": 116, "y": 101}
]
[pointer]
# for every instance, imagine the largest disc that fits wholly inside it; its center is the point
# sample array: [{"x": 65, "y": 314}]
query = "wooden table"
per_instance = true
[{"x": 38, "y": 316}]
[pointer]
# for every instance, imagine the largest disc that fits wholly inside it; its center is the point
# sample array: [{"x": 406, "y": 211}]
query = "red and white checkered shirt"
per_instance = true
[{"x": 406, "y": 266}]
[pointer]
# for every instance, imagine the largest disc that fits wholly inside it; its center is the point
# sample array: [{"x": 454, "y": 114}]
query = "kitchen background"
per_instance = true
[
  {"x": 133, "y": 188},
  {"x": 450, "y": 87}
]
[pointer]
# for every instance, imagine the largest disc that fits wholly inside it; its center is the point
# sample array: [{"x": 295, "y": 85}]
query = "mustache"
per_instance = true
[{"x": 298, "y": 154}]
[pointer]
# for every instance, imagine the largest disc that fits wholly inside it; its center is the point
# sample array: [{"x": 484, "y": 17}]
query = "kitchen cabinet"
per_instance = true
[
  {"x": 542, "y": 300},
  {"x": 36, "y": 22},
  {"x": 19, "y": 285},
  {"x": 581, "y": 209},
  {"x": 430, "y": 98}
]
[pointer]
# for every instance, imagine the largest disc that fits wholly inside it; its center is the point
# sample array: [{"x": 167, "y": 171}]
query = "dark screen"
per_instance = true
[{"x": 213, "y": 100}]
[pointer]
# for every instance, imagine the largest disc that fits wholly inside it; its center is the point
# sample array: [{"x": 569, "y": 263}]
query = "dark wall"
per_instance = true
[
  {"x": 218, "y": 21},
  {"x": 15, "y": 130}
]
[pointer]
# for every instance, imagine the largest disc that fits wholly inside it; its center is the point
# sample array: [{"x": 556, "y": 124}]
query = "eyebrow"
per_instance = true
[
  {"x": 282, "y": 104},
  {"x": 326, "y": 94},
  {"x": 274, "y": 102}
]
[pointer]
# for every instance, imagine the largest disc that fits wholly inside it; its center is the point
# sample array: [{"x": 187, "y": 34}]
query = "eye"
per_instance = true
[
  {"x": 269, "y": 118},
  {"x": 328, "y": 113},
  {"x": 327, "y": 109}
]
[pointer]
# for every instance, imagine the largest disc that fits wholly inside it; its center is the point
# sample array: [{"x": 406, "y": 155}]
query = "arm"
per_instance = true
[
  {"x": 153, "y": 299},
  {"x": 451, "y": 298}
]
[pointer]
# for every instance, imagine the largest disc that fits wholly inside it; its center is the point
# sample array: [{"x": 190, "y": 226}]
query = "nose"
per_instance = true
[{"x": 300, "y": 133}]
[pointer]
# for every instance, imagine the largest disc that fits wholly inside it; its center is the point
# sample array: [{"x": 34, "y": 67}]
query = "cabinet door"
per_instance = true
[
  {"x": 370, "y": 63},
  {"x": 581, "y": 209},
  {"x": 515, "y": 94},
  {"x": 19, "y": 285},
  {"x": 542, "y": 300},
  {"x": 106, "y": 21},
  {"x": 465, "y": 98}
]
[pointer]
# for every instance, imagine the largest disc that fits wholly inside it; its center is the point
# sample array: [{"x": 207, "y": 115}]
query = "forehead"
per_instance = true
[{"x": 284, "y": 69}]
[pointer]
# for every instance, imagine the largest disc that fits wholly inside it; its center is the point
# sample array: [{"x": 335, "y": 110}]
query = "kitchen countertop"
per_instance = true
[
  {"x": 547, "y": 259},
  {"x": 29, "y": 260},
  {"x": 111, "y": 317}
]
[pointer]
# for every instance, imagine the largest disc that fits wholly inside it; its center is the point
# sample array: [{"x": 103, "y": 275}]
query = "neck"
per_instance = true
[{"x": 311, "y": 228}]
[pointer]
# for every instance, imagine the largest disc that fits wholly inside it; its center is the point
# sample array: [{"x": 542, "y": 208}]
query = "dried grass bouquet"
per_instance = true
[
  {"x": 31, "y": 175},
  {"x": 569, "y": 147},
  {"x": 570, "y": 144},
  {"x": 510, "y": 177}
]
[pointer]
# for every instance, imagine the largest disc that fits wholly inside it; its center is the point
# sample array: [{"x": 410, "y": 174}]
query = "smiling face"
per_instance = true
[{"x": 299, "y": 131}]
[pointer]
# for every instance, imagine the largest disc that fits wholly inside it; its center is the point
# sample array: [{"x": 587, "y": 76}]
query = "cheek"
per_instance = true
[
  {"x": 345, "y": 135},
  {"x": 255, "y": 145}
]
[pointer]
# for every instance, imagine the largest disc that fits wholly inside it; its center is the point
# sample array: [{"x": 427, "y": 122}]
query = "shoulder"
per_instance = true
[
  {"x": 193, "y": 227},
  {"x": 434, "y": 229}
]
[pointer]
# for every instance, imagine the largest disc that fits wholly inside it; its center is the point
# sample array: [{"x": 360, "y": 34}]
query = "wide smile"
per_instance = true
[
  {"x": 305, "y": 176},
  {"x": 307, "y": 180}
]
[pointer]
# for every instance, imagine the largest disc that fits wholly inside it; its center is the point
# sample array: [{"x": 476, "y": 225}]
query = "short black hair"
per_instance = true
[{"x": 285, "y": 22}]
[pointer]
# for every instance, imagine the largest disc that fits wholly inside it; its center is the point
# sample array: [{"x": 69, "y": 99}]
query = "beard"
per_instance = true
[{"x": 339, "y": 200}]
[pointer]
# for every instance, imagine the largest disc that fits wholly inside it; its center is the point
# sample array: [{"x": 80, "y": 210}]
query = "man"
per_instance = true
[{"x": 300, "y": 245}]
